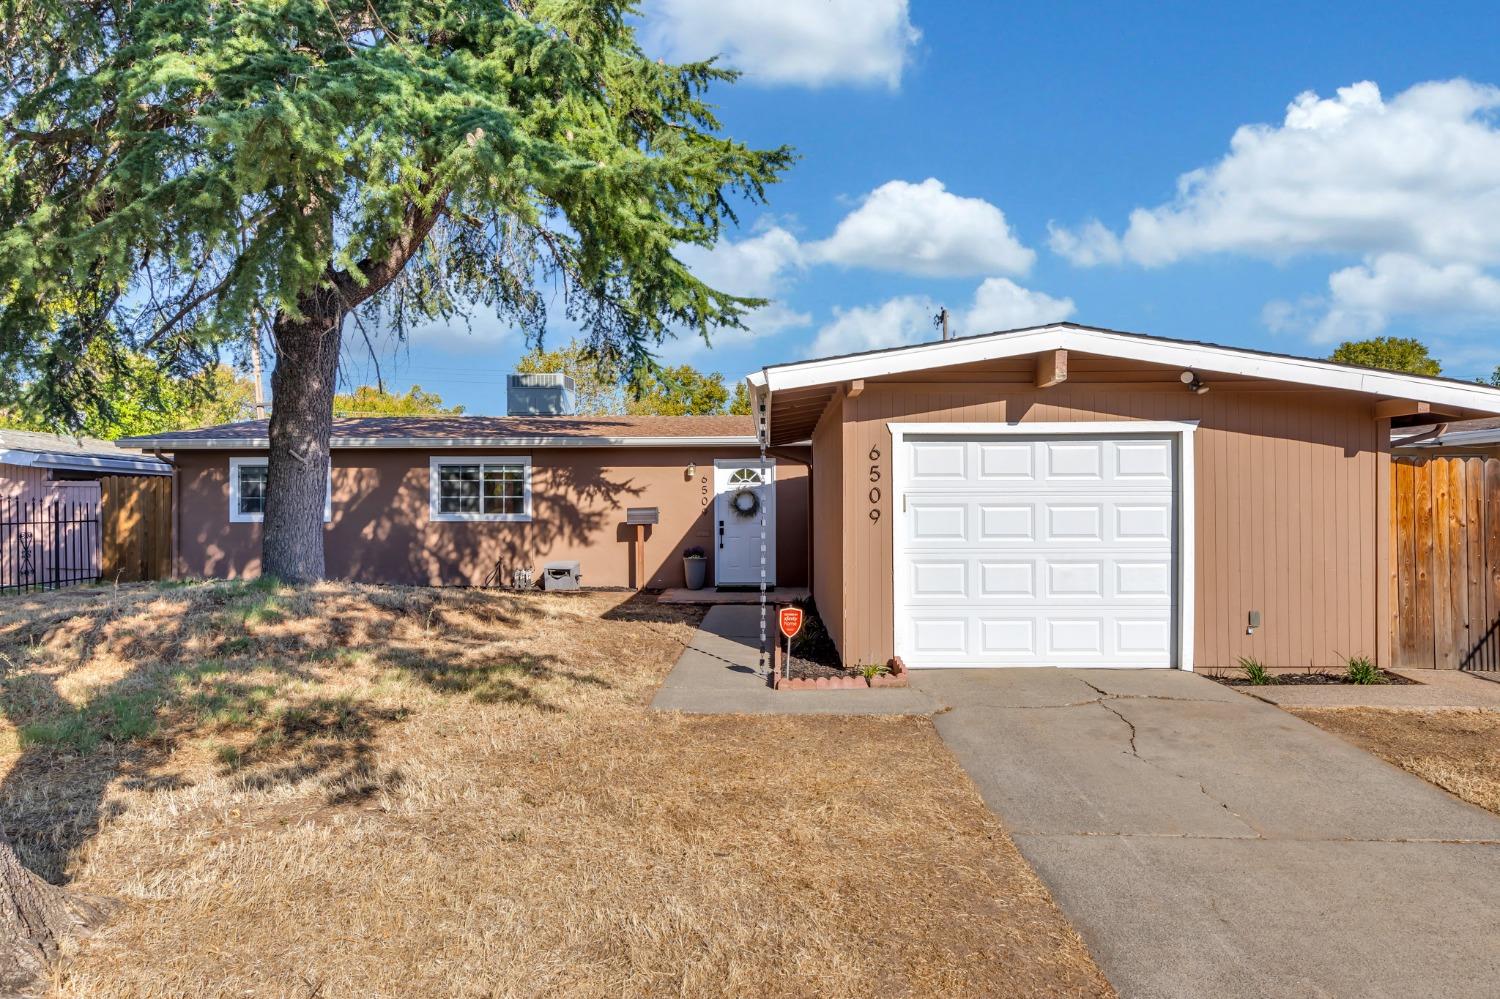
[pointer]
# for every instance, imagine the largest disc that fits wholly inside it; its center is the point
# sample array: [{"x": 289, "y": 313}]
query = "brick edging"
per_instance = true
[{"x": 897, "y": 677}]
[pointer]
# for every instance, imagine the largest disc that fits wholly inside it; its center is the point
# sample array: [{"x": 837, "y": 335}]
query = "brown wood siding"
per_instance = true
[
  {"x": 1445, "y": 566},
  {"x": 1287, "y": 506},
  {"x": 828, "y": 518},
  {"x": 381, "y": 531}
]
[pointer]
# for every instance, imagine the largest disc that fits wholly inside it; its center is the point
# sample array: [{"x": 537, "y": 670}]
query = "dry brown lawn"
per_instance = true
[
  {"x": 358, "y": 791},
  {"x": 1458, "y": 751}
]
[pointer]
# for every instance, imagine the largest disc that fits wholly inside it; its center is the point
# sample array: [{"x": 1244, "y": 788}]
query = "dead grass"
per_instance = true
[
  {"x": 1458, "y": 751},
  {"x": 356, "y": 791}
]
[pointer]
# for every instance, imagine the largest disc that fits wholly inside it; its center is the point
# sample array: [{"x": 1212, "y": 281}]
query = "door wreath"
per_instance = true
[{"x": 745, "y": 503}]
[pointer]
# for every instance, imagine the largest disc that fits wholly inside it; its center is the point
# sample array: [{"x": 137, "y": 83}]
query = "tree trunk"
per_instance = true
[
  {"x": 36, "y": 920},
  {"x": 302, "y": 388}
]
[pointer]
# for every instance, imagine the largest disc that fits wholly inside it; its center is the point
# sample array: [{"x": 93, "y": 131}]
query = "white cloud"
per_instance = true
[
  {"x": 1410, "y": 186},
  {"x": 807, "y": 42},
  {"x": 1418, "y": 174},
  {"x": 925, "y": 230},
  {"x": 999, "y": 304},
  {"x": 756, "y": 267},
  {"x": 761, "y": 266},
  {"x": 1361, "y": 300},
  {"x": 907, "y": 319}
]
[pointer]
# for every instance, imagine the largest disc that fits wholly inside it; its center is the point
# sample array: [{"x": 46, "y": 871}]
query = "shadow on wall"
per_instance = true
[{"x": 381, "y": 529}]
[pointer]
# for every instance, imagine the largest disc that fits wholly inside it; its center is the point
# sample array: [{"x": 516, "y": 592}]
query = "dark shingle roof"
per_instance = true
[{"x": 397, "y": 429}]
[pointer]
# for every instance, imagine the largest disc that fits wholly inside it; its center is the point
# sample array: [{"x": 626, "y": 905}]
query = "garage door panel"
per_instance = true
[
  {"x": 1143, "y": 462},
  {"x": 1007, "y": 579},
  {"x": 1143, "y": 522},
  {"x": 1074, "y": 522},
  {"x": 1143, "y": 579},
  {"x": 939, "y": 461},
  {"x": 1036, "y": 552},
  {"x": 938, "y": 522},
  {"x": 1009, "y": 637},
  {"x": 1006, "y": 522},
  {"x": 939, "y": 579},
  {"x": 1005, "y": 462}
]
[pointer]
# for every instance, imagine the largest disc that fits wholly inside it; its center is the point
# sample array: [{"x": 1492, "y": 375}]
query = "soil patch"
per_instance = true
[
  {"x": 1459, "y": 751},
  {"x": 1309, "y": 679}
]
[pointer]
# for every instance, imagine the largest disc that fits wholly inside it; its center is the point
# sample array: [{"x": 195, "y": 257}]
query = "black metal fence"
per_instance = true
[{"x": 47, "y": 543}]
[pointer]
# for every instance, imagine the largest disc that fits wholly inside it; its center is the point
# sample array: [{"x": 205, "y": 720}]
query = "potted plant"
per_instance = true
[{"x": 694, "y": 567}]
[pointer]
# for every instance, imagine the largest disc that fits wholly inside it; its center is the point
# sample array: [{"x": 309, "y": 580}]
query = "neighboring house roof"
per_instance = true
[
  {"x": 74, "y": 454},
  {"x": 477, "y": 431},
  {"x": 1192, "y": 354},
  {"x": 1459, "y": 434}
]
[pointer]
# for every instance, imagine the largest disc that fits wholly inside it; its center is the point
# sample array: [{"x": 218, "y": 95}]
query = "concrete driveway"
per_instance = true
[{"x": 1207, "y": 844}]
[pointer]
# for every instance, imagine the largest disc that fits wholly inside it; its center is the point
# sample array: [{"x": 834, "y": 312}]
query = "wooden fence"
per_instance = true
[
  {"x": 135, "y": 513},
  {"x": 1445, "y": 563}
]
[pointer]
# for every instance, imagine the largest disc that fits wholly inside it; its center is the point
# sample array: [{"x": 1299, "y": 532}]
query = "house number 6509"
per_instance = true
[{"x": 874, "y": 490}]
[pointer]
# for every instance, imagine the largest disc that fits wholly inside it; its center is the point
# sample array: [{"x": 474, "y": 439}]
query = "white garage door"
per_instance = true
[{"x": 1044, "y": 551}]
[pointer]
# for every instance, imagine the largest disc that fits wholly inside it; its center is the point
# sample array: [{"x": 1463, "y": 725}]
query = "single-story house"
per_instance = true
[
  {"x": 468, "y": 500},
  {"x": 1059, "y": 495},
  {"x": 51, "y": 507}
]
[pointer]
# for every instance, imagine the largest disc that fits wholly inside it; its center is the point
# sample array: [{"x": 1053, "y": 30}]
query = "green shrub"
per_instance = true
[
  {"x": 871, "y": 670},
  {"x": 1362, "y": 671},
  {"x": 1255, "y": 672}
]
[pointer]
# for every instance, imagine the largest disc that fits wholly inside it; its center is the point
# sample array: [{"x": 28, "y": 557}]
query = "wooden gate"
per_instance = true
[
  {"x": 1445, "y": 563},
  {"x": 135, "y": 513}
]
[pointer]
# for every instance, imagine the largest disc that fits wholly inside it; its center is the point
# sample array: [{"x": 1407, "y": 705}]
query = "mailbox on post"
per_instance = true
[{"x": 641, "y": 517}]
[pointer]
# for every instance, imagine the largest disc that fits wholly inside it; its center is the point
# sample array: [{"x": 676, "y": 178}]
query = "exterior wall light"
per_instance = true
[{"x": 1193, "y": 382}]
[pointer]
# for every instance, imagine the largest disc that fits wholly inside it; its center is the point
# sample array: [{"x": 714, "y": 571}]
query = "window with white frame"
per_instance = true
[
  {"x": 247, "y": 492},
  {"x": 480, "y": 488}
]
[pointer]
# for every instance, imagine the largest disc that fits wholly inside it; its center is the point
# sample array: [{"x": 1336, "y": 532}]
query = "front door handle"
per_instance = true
[{"x": 721, "y": 535}]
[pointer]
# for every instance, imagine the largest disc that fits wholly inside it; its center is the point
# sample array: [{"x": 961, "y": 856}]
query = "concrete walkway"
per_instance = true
[
  {"x": 718, "y": 674},
  {"x": 1208, "y": 844}
]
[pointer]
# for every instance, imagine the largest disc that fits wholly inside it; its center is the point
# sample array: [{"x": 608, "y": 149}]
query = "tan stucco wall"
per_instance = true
[
  {"x": 1290, "y": 503},
  {"x": 381, "y": 531}
]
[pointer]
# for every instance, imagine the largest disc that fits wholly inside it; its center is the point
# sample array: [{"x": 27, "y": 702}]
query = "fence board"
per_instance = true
[{"x": 1445, "y": 563}]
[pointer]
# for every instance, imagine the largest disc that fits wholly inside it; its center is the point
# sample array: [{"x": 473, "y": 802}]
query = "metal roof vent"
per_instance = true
[{"x": 540, "y": 395}]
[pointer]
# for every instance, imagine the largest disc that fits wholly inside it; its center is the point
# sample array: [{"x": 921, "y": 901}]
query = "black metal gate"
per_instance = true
[{"x": 47, "y": 543}]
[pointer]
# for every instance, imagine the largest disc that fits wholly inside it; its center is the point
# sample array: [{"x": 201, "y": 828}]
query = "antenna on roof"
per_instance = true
[{"x": 941, "y": 321}]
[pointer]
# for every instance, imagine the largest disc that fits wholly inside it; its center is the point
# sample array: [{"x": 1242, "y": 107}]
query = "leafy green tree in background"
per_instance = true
[
  {"x": 740, "y": 404},
  {"x": 1393, "y": 353},
  {"x": 1494, "y": 380},
  {"x": 172, "y": 170},
  {"x": 679, "y": 391},
  {"x": 132, "y": 395},
  {"x": 370, "y": 400}
]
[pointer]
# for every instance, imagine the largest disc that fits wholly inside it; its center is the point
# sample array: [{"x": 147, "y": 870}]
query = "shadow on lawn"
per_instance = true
[{"x": 195, "y": 671}]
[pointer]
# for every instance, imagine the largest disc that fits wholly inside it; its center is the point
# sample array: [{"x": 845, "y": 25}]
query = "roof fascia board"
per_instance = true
[
  {"x": 86, "y": 463},
  {"x": 434, "y": 443},
  {"x": 1224, "y": 360}
]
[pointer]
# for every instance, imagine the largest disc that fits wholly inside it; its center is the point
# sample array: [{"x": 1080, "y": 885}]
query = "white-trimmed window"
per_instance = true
[
  {"x": 247, "y": 492},
  {"x": 480, "y": 488}
]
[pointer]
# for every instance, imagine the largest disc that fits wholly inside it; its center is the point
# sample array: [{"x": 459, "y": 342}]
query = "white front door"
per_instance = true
[
  {"x": 1037, "y": 551},
  {"x": 739, "y": 538}
]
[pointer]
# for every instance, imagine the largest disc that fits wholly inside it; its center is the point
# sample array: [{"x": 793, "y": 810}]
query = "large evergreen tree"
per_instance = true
[
  {"x": 172, "y": 172},
  {"x": 173, "y": 168}
]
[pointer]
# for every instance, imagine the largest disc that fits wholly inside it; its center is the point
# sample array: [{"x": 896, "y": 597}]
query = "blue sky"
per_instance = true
[{"x": 1026, "y": 163}]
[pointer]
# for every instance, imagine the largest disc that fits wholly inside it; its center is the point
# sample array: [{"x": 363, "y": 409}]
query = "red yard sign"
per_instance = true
[{"x": 790, "y": 619}]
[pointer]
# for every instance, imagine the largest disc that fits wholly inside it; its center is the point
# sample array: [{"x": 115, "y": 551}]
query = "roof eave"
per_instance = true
[
  {"x": 436, "y": 443},
  {"x": 1152, "y": 350}
]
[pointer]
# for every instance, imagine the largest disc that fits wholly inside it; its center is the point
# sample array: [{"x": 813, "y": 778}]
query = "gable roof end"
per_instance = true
[{"x": 1186, "y": 354}]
